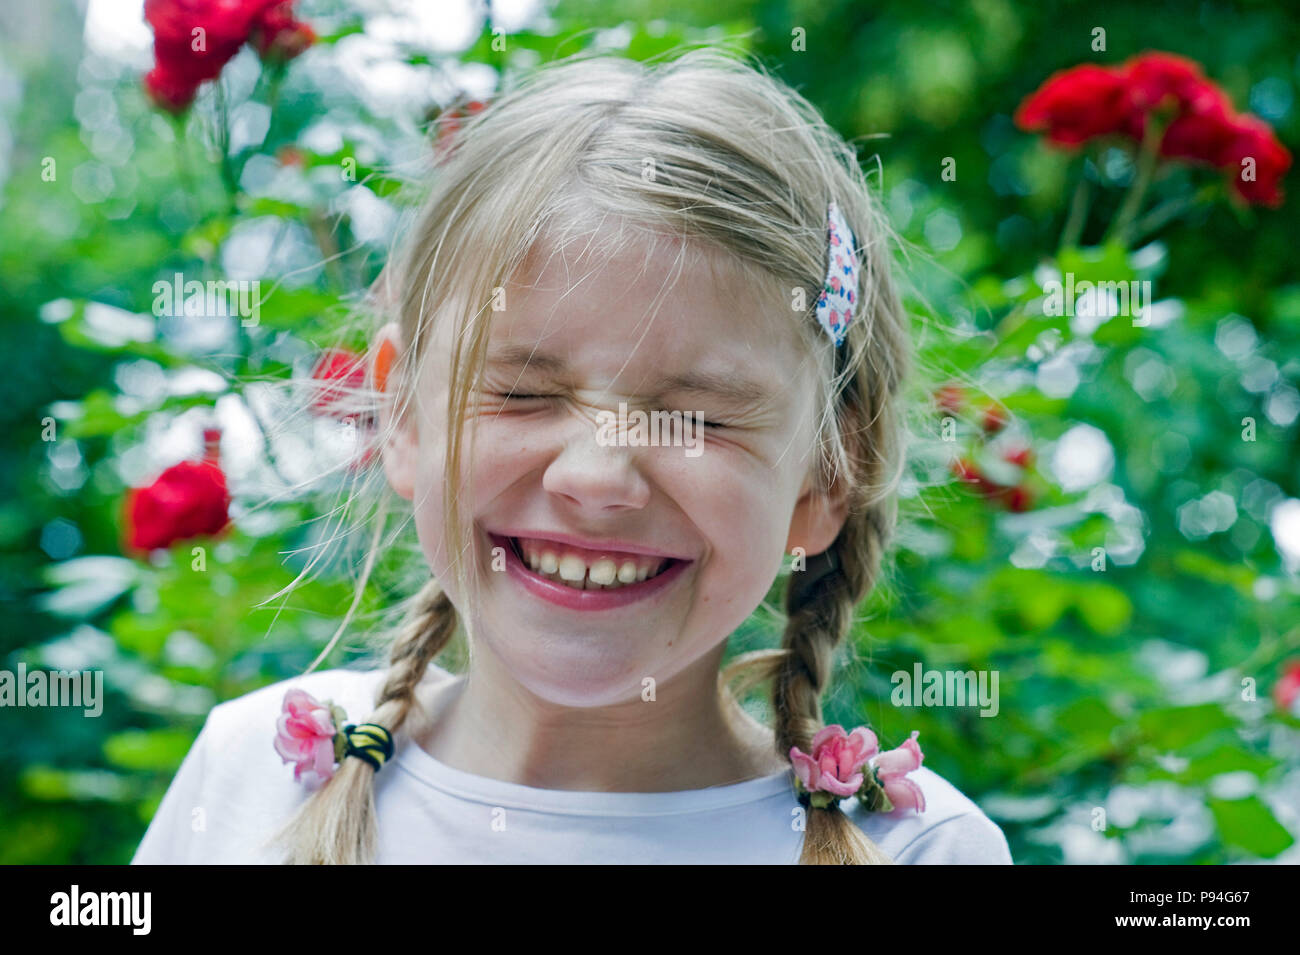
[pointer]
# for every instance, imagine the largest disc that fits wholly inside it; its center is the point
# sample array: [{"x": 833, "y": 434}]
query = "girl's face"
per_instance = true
[{"x": 705, "y": 520}]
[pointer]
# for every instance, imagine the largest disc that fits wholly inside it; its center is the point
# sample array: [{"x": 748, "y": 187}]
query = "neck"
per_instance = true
[{"x": 691, "y": 736}]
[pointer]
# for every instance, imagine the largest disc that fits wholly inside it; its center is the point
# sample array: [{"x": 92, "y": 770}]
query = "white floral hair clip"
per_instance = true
[{"x": 839, "y": 294}]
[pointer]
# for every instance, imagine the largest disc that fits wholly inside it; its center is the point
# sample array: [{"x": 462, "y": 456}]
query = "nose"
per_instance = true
[{"x": 596, "y": 478}]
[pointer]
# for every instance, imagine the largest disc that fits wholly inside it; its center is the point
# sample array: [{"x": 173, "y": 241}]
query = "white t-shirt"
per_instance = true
[{"x": 233, "y": 792}]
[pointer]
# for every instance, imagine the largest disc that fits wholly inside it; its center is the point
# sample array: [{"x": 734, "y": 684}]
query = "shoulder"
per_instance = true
[
  {"x": 353, "y": 690},
  {"x": 952, "y": 830},
  {"x": 233, "y": 788},
  {"x": 231, "y": 722}
]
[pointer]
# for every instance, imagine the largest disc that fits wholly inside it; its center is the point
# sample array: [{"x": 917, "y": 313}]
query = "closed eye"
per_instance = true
[{"x": 511, "y": 396}]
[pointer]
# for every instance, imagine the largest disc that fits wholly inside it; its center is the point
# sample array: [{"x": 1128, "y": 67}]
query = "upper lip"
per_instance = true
[{"x": 590, "y": 543}]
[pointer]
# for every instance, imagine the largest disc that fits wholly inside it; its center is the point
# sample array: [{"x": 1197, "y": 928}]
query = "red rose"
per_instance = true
[
  {"x": 1078, "y": 104},
  {"x": 168, "y": 91},
  {"x": 195, "y": 39},
  {"x": 1166, "y": 81},
  {"x": 338, "y": 375},
  {"x": 223, "y": 21},
  {"x": 1223, "y": 139},
  {"x": 1253, "y": 138},
  {"x": 278, "y": 36},
  {"x": 188, "y": 500},
  {"x": 1086, "y": 102},
  {"x": 1200, "y": 137}
]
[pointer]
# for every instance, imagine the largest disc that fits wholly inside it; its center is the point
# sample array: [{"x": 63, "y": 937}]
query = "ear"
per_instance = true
[
  {"x": 400, "y": 444},
  {"x": 818, "y": 517}
]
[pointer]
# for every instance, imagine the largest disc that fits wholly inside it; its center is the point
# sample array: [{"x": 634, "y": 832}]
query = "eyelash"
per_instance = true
[{"x": 716, "y": 425}]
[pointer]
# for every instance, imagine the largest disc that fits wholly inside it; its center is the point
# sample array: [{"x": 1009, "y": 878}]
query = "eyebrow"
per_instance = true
[{"x": 728, "y": 387}]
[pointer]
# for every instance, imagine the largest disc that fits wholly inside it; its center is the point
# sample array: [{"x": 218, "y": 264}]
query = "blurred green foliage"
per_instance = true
[{"x": 1123, "y": 677}]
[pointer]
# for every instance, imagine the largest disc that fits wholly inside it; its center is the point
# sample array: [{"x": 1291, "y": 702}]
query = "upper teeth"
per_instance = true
[{"x": 576, "y": 571}]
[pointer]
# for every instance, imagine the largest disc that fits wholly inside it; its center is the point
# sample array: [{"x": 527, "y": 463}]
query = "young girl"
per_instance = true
[{"x": 610, "y": 244}]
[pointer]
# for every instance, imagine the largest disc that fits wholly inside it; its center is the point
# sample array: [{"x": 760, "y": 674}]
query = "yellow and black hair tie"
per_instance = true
[{"x": 369, "y": 742}]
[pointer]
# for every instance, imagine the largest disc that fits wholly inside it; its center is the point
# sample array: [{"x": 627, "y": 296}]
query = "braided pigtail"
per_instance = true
[
  {"x": 820, "y": 613},
  {"x": 863, "y": 461},
  {"x": 336, "y": 826}
]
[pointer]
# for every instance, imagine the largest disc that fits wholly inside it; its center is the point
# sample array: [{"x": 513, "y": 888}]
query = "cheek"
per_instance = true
[
  {"x": 495, "y": 461},
  {"x": 742, "y": 508},
  {"x": 430, "y": 481}
]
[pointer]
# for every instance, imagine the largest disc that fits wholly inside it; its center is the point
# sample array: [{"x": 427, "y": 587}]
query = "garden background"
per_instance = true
[{"x": 1123, "y": 551}]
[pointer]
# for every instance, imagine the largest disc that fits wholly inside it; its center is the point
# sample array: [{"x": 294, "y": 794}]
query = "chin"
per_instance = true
[{"x": 578, "y": 681}]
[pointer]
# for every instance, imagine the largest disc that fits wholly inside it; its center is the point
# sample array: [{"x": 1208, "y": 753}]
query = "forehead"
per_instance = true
[{"x": 640, "y": 312}]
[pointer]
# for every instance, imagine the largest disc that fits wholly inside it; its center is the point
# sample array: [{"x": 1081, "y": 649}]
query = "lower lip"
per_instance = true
[{"x": 564, "y": 596}]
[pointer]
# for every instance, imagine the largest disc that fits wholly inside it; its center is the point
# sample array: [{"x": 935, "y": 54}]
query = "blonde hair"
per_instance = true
[{"x": 743, "y": 169}]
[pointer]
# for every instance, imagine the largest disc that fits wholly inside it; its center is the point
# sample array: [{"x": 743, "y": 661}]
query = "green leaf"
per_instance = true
[
  {"x": 1248, "y": 824},
  {"x": 1108, "y": 263},
  {"x": 1027, "y": 331},
  {"x": 1038, "y": 599},
  {"x": 1173, "y": 727},
  {"x": 47, "y": 784},
  {"x": 1105, "y": 609},
  {"x": 1226, "y": 759},
  {"x": 1200, "y": 564},
  {"x": 156, "y": 750},
  {"x": 347, "y": 30},
  {"x": 293, "y": 308},
  {"x": 1118, "y": 332},
  {"x": 1087, "y": 717},
  {"x": 976, "y": 635}
]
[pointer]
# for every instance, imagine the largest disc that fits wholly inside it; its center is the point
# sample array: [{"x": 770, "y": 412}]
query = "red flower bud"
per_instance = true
[
  {"x": 1287, "y": 689},
  {"x": 279, "y": 37},
  {"x": 950, "y": 398},
  {"x": 968, "y": 472},
  {"x": 291, "y": 156},
  {"x": 449, "y": 122},
  {"x": 1020, "y": 457},
  {"x": 338, "y": 375},
  {"x": 995, "y": 419},
  {"x": 1019, "y": 499}
]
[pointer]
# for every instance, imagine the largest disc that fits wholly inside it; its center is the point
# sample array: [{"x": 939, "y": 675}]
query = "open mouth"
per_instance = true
[{"x": 582, "y": 569}]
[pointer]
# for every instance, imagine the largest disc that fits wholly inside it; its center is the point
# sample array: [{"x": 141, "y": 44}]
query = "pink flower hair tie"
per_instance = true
[
  {"x": 308, "y": 735},
  {"x": 850, "y": 764}
]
